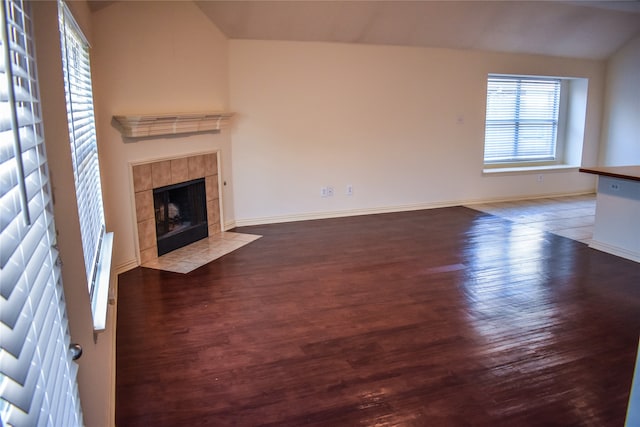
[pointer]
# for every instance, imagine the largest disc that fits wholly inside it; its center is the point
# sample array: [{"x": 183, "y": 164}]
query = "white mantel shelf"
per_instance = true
[{"x": 148, "y": 125}]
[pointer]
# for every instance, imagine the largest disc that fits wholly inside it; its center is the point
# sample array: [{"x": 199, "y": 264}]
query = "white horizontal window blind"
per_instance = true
[
  {"x": 522, "y": 119},
  {"x": 37, "y": 376},
  {"x": 84, "y": 147}
]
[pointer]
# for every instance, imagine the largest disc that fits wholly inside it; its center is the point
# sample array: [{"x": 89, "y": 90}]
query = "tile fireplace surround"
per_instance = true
[{"x": 147, "y": 176}]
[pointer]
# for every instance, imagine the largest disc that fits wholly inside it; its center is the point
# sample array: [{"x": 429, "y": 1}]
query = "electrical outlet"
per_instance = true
[
  {"x": 540, "y": 178},
  {"x": 323, "y": 192},
  {"x": 614, "y": 186},
  {"x": 349, "y": 191},
  {"x": 329, "y": 191}
]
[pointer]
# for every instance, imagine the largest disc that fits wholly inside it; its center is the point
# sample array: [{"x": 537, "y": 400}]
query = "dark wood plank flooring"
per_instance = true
[{"x": 443, "y": 317}]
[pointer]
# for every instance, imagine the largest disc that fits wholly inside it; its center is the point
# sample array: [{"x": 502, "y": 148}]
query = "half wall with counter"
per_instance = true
[{"x": 617, "y": 225}]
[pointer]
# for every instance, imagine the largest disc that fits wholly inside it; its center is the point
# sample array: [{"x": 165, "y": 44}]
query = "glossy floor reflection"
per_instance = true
[{"x": 442, "y": 317}]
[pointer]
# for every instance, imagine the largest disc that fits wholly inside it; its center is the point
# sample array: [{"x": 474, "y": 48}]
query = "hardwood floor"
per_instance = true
[{"x": 443, "y": 317}]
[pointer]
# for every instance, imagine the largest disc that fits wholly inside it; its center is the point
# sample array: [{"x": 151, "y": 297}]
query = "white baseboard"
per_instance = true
[
  {"x": 385, "y": 209},
  {"x": 533, "y": 197},
  {"x": 615, "y": 250},
  {"x": 336, "y": 214},
  {"x": 126, "y": 266}
]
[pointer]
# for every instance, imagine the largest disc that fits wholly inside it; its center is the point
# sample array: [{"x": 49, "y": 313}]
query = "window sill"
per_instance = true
[
  {"x": 532, "y": 169},
  {"x": 100, "y": 301}
]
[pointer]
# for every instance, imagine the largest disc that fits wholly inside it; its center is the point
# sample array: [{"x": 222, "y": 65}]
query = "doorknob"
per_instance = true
[{"x": 76, "y": 351}]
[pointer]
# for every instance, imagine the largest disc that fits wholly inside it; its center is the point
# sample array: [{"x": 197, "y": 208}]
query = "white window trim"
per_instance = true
[
  {"x": 512, "y": 79},
  {"x": 570, "y": 134},
  {"x": 98, "y": 273},
  {"x": 530, "y": 169}
]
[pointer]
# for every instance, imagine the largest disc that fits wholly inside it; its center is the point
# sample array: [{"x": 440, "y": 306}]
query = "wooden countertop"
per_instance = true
[{"x": 623, "y": 172}]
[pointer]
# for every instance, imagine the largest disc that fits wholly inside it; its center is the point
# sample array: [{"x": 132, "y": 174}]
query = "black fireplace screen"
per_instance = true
[{"x": 181, "y": 214}]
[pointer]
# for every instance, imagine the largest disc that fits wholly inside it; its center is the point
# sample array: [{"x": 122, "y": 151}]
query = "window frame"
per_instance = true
[
  {"x": 96, "y": 242},
  {"x": 558, "y": 159}
]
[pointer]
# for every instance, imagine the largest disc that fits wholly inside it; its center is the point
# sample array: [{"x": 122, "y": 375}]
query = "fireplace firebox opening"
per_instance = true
[{"x": 181, "y": 214}]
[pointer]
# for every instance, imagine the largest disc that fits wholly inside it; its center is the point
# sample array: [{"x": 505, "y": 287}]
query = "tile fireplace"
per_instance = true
[{"x": 157, "y": 185}]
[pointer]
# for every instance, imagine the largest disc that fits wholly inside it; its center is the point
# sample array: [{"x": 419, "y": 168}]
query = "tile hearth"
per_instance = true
[{"x": 195, "y": 255}]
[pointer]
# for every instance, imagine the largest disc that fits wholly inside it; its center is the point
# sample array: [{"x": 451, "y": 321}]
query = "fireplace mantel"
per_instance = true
[{"x": 148, "y": 125}]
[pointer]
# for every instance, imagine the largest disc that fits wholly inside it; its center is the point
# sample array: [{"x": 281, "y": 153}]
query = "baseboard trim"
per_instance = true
[
  {"x": 126, "y": 266},
  {"x": 335, "y": 214},
  {"x": 385, "y": 209},
  {"x": 615, "y": 250},
  {"x": 533, "y": 197}
]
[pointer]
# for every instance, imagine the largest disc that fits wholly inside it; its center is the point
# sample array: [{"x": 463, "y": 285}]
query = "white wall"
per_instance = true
[
  {"x": 149, "y": 58},
  {"x": 96, "y": 372},
  {"x": 621, "y": 130},
  {"x": 403, "y": 125}
]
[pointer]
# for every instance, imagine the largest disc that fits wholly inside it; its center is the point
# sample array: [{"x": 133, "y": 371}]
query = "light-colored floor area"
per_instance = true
[
  {"x": 570, "y": 216},
  {"x": 195, "y": 255}
]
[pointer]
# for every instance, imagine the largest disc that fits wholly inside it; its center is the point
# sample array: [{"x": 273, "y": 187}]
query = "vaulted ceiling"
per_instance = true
[
  {"x": 579, "y": 29},
  {"x": 582, "y": 29}
]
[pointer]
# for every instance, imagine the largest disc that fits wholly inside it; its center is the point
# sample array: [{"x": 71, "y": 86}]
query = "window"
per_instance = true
[
  {"x": 96, "y": 244},
  {"x": 37, "y": 377},
  {"x": 522, "y": 120}
]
